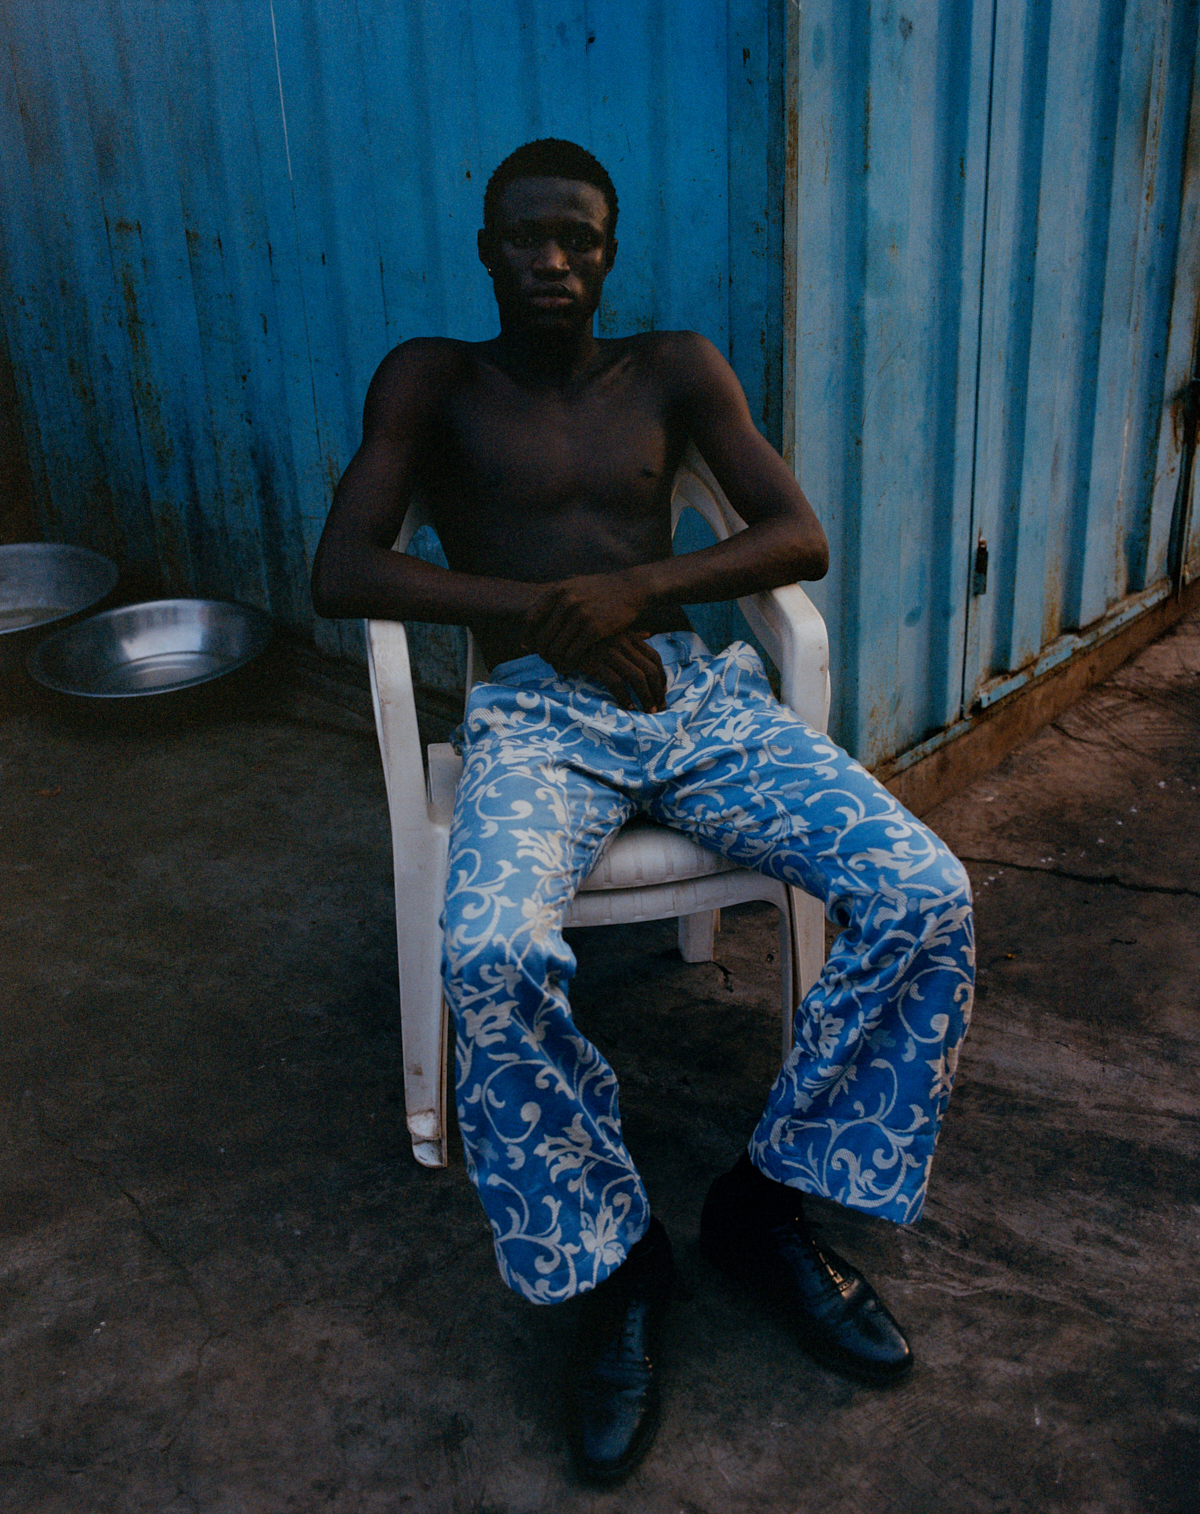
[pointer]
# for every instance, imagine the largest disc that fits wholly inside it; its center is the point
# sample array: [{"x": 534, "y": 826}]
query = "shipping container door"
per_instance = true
[
  {"x": 891, "y": 152},
  {"x": 1087, "y": 329}
]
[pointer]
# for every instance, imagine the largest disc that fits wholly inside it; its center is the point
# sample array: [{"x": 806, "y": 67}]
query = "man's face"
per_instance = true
[{"x": 550, "y": 253}]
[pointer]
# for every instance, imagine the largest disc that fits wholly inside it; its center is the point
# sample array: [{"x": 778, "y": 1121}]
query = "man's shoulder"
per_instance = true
[
  {"x": 685, "y": 357},
  {"x": 667, "y": 345},
  {"x": 427, "y": 357},
  {"x": 415, "y": 377}
]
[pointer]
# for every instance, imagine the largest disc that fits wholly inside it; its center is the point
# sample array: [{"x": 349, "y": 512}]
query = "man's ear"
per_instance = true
[
  {"x": 610, "y": 257},
  {"x": 483, "y": 241}
]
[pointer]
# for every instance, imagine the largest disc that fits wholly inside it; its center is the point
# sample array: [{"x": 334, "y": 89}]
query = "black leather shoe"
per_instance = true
[
  {"x": 754, "y": 1229},
  {"x": 616, "y": 1390}
]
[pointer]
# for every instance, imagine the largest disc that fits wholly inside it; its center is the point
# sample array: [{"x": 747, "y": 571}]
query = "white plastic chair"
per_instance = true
[{"x": 648, "y": 873}]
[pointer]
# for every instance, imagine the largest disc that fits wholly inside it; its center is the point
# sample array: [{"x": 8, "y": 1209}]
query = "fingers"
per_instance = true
[
  {"x": 651, "y": 677},
  {"x": 572, "y": 617},
  {"x": 548, "y": 621},
  {"x": 634, "y": 675},
  {"x": 601, "y": 667},
  {"x": 554, "y": 622},
  {"x": 626, "y": 666},
  {"x": 615, "y": 685}
]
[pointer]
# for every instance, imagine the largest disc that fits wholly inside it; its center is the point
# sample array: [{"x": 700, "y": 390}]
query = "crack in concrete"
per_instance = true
[
  {"x": 1107, "y": 740},
  {"x": 1109, "y": 879},
  {"x": 174, "y": 1261},
  {"x": 191, "y": 1497},
  {"x": 725, "y": 974}
]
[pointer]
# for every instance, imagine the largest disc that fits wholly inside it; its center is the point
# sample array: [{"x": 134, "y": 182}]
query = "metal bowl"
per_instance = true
[
  {"x": 42, "y": 582},
  {"x": 150, "y": 649}
]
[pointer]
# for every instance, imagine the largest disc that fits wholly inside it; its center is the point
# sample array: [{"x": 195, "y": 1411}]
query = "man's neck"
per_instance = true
[{"x": 546, "y": 357}]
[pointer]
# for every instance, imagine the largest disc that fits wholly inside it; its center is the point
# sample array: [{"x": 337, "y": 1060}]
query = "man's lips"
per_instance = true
[{"x": 549, "y": 299}]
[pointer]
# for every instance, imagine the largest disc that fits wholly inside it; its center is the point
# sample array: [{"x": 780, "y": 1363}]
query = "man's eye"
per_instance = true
[
  {"x": 581, "y": 241},
  {"x": 521, "y": 240}
]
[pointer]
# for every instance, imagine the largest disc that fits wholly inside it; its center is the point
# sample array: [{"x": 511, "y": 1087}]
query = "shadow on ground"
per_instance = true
[{"x": 227, "y": 1288}]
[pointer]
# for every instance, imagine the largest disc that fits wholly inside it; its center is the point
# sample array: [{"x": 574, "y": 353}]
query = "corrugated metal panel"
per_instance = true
[
  {"x": 992, "y": 328},
  {"x": 1090, "y": 120},
  {"x": 222, "y": 213},
  {"x": 893, "y": 116}
]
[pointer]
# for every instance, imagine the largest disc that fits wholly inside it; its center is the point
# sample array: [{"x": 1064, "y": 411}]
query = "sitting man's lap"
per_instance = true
[{"x": 553, "y": 768}]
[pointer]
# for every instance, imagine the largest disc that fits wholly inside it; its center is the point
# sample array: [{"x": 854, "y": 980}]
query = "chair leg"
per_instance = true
[
  {"x": 806, "y": 924},
  {"x": 789, "y": 969},
  {"x": 427, "y": 1126},
  {"x": 423, "y": 1014},
  {"x": 696, "y": 935},
  {"x": 809, "y": 926}
]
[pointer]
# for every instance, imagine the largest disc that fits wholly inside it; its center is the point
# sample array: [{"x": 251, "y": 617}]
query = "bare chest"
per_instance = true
[{"x": 538, "y": 485}]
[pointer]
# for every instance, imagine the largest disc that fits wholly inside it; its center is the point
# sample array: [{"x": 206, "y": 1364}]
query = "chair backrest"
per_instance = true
[{"x": 695, "y": 488}]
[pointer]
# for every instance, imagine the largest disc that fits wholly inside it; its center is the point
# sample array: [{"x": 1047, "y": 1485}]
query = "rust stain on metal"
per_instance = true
[
  {"x": 133, "y": 319},
  {"x": 146, "y": 395},
  {"x": 1052, "y": 608}
]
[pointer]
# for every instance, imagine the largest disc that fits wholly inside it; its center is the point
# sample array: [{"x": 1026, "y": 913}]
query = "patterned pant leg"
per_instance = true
[
  {"x": 854, "y": 1113},
  {"x": 537, "y": 1103}
]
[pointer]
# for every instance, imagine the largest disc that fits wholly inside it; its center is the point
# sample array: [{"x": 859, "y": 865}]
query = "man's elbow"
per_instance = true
[
  {"x": 818, "y": 561},
  {"x": 811, "y": 560},
  {"x": 323, "y": 606},
  {"x": 810, "y": 545},
  {"x": 328, "y": 592}
]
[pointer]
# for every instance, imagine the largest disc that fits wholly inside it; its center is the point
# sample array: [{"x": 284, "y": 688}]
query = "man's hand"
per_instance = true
[
  {"x": 629, "y": 670},
  {"x": 571, "y": 617}
]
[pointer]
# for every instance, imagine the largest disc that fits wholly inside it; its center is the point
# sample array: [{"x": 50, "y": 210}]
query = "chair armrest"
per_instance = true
[
  {"x": 417, "y": 515},
  {"x": 792, "y": 630},
  {"x": 785, "y": 620},
  {"x": 396, "y": 726},
  {"x": 396, "y": 710}
]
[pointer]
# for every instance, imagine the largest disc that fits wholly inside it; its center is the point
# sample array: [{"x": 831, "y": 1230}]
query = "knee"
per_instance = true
[
  {"x": 947, "y": 919},
  {"x": 933, "y": 901},
  {"x": 512, "y": 957},
  {"x": 956, "y": 881}
]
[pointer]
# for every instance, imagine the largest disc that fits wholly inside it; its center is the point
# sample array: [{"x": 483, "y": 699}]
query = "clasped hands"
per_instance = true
[{"x": 586, "y": 625}]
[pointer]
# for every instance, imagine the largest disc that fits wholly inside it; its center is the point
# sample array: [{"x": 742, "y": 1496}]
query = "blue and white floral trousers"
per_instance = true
[{"x": 552, "y": 769}]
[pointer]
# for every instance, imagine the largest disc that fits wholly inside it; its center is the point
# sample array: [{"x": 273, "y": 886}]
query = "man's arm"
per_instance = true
[{"x": 783, "y": 540}]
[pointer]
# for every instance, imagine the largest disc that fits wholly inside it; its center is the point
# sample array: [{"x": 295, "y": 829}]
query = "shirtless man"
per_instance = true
[{"x": 547, "y": 456}]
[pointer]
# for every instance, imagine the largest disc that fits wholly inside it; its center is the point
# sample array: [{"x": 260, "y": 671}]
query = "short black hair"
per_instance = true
[{"x": 549, "y": 158}]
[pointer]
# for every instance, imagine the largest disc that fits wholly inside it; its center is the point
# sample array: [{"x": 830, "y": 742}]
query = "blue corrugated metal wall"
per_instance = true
[
  {"x": 997, "y": 271},
  {"x": 1090, "y": 276},
  {"x": 221, "y": 214},
  {"x": 893, "y": 136}
]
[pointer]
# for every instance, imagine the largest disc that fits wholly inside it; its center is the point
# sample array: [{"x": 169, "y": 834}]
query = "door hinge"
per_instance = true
[{"x": 979, "y": 577}]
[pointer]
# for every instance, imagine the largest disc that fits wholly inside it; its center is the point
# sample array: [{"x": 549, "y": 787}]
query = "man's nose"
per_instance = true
[{"x": 550, "y": 258}]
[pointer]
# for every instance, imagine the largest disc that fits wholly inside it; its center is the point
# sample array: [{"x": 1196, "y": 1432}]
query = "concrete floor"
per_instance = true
[{"x": 226, "y": 1287}]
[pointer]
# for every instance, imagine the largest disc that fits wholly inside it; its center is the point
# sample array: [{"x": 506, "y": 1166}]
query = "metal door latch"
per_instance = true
[{"x": 979, "y": 577}]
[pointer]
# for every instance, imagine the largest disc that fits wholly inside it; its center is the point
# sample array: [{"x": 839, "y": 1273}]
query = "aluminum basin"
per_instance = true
[
  {"x": 42, "y": 583},
  {"x": 138, "y": 651}
]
